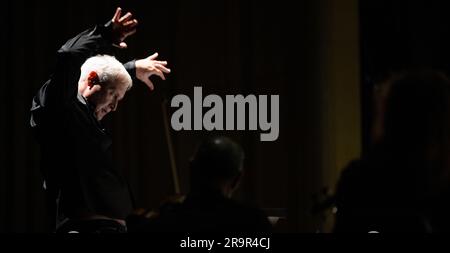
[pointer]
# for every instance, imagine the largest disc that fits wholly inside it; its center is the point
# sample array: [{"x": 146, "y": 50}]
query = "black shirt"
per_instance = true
[
  {"x": 206, "y": 211},
  {"x": 376, "y": 196},
  {"x": 76, "y": 150}
]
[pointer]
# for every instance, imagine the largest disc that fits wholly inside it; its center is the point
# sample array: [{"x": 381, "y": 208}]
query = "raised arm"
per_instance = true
[
  {"x": 101, "y": 38},
  {"x": 98, "y": 40}
]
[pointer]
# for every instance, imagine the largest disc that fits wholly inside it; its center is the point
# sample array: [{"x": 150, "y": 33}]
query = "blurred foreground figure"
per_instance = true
[
  {"x": 402, "y": 185},
  {"x": 215, "y": 172}
]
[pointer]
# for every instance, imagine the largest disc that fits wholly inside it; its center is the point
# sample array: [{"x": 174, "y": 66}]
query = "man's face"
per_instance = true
[{"x": 107, "y": 98}]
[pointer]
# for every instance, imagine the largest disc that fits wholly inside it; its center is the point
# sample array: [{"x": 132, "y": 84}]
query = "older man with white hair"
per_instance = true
[{"x": 86, "y": 191}]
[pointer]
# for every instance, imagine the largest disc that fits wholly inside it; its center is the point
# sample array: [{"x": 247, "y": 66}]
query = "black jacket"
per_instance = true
[
  {"x": 76, "y": 151},
  {"x": 206, "y": 211}
]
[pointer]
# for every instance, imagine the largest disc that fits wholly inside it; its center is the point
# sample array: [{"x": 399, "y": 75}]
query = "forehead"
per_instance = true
[
  {"x": 120, "y": 87},
  {"x": 121, "y": 90}
]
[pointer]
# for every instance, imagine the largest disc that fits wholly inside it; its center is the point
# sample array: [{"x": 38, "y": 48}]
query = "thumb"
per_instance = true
[
  {"x": 153, "y": 56},
  {"x": 123, "y": 45}
]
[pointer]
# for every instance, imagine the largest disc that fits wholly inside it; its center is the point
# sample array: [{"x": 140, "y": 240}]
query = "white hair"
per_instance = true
[{"x": 108, "y": 69}]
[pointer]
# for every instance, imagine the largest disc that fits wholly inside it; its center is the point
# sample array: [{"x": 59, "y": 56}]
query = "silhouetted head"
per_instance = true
[
  {"x": 414, "y": 126},
  {"x": 217, "y": 164}
]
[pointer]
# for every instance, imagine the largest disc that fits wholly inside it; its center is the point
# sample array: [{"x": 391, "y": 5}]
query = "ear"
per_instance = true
[{"x": 93, "y": 79}]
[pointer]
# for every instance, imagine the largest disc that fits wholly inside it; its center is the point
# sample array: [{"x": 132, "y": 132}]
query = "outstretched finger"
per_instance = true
[
  {"x": 162, "y": 68},
  {"x": 130, "y": 33},
  {"x": 160, "y": 74},
  {"x": 117, "y": 14},
  {"x": 126, "y": 17},
  {"x": 153, "y": 56},
  {"x": 130, "y": 24}
]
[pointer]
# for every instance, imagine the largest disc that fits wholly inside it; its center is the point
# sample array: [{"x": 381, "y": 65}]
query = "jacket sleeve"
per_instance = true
[
  {"x": 131, "y": 69},
  {"x": 63, "y": 85}
]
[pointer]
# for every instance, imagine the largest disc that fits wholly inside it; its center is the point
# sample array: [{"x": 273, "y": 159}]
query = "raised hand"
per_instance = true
[
  {"x": 150, "y": 66},
  {"x": 123, "y": 27}
]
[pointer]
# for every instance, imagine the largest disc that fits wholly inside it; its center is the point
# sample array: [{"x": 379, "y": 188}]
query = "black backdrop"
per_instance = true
[
  {"x": 227, "y": 47},
  {"x": 399, "y": 36}
]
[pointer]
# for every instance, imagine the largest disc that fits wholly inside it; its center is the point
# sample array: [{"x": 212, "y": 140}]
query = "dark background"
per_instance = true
[
  {"x": 399, "y": 36},
  {"x": 227, "y": 47}
]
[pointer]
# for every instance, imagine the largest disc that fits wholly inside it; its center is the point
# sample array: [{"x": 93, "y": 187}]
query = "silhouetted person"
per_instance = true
[
  {"x": 402, "y": 184},
  {"x": 215, "y": 172}
]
